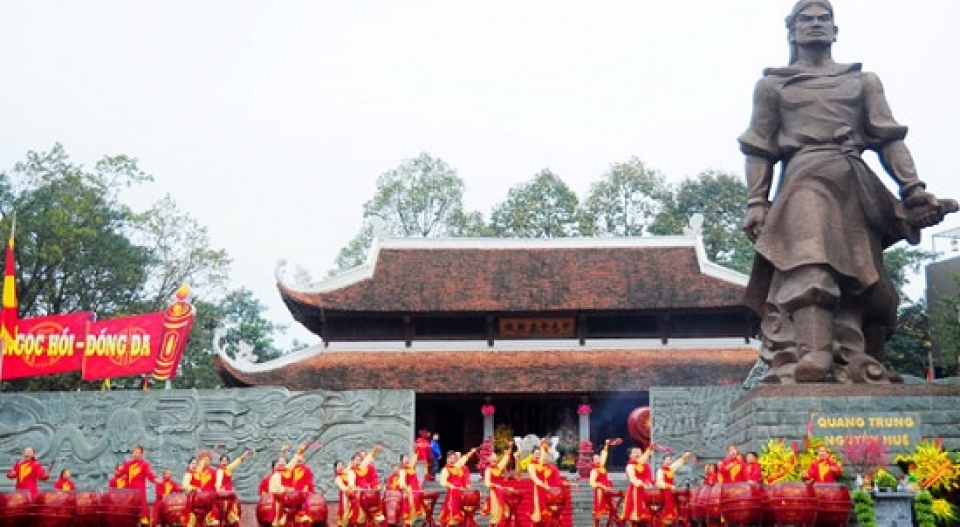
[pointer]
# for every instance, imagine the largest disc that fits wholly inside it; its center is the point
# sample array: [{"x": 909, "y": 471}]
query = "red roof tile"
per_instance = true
[
  {"x": 417, "y": 276},
  {"x": 556, "y": 371}
]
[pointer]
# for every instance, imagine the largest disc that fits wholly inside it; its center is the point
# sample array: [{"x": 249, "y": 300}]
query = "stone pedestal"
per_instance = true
[
  {"x": 899, "y": 414},
  {"x": 893, "y": 509}
]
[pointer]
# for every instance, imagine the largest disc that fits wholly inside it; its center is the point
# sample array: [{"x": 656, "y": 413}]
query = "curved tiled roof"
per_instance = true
[
  {"x": 513, "y": 371},
  {"x": 503, "y": 275}
]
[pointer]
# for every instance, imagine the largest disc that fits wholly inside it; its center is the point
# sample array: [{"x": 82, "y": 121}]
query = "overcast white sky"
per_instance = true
[{"x": 269, "y": 122}]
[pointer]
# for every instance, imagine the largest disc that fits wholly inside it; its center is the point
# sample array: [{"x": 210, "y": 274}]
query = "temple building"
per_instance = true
[{"x": 530, "y": 334}]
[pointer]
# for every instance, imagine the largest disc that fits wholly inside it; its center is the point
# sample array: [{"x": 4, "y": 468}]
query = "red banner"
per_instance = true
[
  {"x": 121, "y": 347},
  {"x": 47, "y": 345}
]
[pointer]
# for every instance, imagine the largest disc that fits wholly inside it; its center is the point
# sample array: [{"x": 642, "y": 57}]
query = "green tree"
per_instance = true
[
  {"x": 627, "y": 199},
  {"x": 945, "y": 328},
  {"x": 542, "y": 208},
  {"x": 74, "y": 252},
  {"x": 906, "y": 351},
  {"x": 901, "y": 260},
  {"x": 233, "y": 322},
  {"x": 721, "y": 199},
  {"x": 418, "y": 198},
  {"x": 81, "y": 248}
]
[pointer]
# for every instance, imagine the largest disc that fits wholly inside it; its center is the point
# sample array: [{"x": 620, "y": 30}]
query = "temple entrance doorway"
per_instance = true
[{"x": 458, "y": 419}]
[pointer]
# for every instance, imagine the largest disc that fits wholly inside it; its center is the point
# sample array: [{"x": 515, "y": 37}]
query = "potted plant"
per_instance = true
[{"x": 884, "y": 480}]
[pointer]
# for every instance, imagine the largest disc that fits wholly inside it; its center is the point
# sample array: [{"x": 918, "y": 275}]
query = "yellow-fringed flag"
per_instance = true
[{"x": 8, "y": 316}]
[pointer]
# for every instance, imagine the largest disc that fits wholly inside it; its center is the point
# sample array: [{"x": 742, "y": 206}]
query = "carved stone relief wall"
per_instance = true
[{"x": 91, "y": 432}]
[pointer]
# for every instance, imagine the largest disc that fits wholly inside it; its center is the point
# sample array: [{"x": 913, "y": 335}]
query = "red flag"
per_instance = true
[
  {"x": 8, "y": 315},
  {"x": 47, "y": 346},
  {"x": 121, "y": 347}
]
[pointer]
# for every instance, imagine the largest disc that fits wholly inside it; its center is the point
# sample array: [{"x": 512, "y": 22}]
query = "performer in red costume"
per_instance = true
[
  {"x": 824, "y": 469},
  {"x": 422, "y": 450},
  {"x": 639, "y": 476},
  {"x": 545, "y": 475},
  {"x": 166, "y": 486},
  {"x": 202, "y": 479},
  {"x": 366, "y": 472},
  {"x": 118, "y": 481},
  {"x": 264, "y": 486},
  {"x": 493, "y": 477},
  {"x": 710, "y": 476},
  {"x": 454, "y": 477},
  {"x": 27, "y": 472},
  {"x": 224, "y": 483},
  {"x": 732, "y": 468},
  {"x": 753, "y": 471},
  {"x": 412, "y": 511},
  {"x": 348, "y": 511},
  {"x": 65, "y": 483},
  {"x": 600, "y": 483},
  {"x": 136, "y": 471},
  {"x": 665, "y": 480}
]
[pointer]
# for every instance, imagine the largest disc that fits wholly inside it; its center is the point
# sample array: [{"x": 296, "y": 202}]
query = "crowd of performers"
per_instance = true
[
  {"x": 734, "y": 468},
  {"x": 360, "y": 475}
]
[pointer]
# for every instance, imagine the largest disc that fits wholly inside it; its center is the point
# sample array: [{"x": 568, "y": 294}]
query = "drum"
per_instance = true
[
  {"x": 697, "y": 511},
  {"x": 653, "y": 498},
  {"x": 54, "y": 508},
  {"x": 316, "y": 508},
  {"x": 371, "y": 502},
  {"x": 741, "y": 503},
  {"x": 682, "y": 498},
  {"x": 555, "y": 499},
  {"x": 710, "y": 501},
  {"x": 15, "y": 508},
  {"x": 793, "y": 503},
  {"x": 173, "y": 507},
  {"x": 266, "y": 509},
  {"x": 88, "y": 509},
  {"x": 201, "y": 503},
  {"x": 393, "y": 506},
  {"x": 120, "y": 508},
  {"x": 469, "y": 500},
  {"x": 833, "y": 504},
  {"x": 291, "y": 501}
]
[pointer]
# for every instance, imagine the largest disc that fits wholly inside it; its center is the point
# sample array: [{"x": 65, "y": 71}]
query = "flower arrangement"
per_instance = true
[
  {"x": 937, "y": 475},
  {"x": 502, "y": 437},
  {"x": 884, "y": 479},
  {"x": 778, "y": 462},
  {"x": 866, "y": 454}
]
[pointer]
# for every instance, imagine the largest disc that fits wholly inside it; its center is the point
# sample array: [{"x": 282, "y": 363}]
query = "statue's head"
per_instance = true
[{"x": 810, "y": 22}]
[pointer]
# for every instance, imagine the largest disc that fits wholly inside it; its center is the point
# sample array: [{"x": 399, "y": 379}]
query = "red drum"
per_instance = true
[
  {"x": 710, "y": 501},
  {"x": 120, "y": 508},
  {"x": 428, "y": 501},
  {"x": 291, "y": 501},
  {"x": 469, "y": 500},
  {"x": 833, "y": 504},
  {"x": 653, "y": 498},
  {"x": 697, "y": 510},
  {"x": 15, "y": 508},
  {"x": 793, "y": 504},
  {"x": 173, "y": 508},
  {"x": 88, "y": 509},
  {"x": 682, "y": 498},
  {"x": 316, "y": 508},
  {"x": 201, "y": 503},
  {"x": 54, "y": 508},
  {"x": 371, "y": 502},
  {"x": 266, "y": 509},
  {"x": 741, "y": 503},
  {"x": 393, "y": 506}
]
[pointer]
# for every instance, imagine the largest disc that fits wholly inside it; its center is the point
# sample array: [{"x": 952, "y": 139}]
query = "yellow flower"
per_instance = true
[{"x": 943, "y": 510}]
